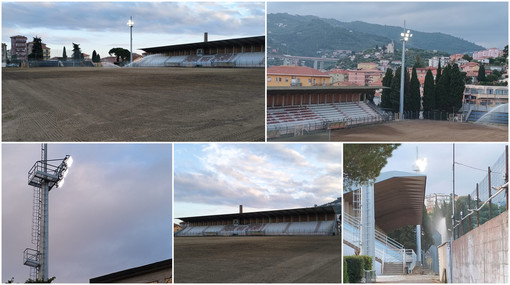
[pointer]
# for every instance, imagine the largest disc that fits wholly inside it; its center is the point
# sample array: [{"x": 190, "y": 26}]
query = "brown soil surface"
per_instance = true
[
  {"x": 133, "y": 104},
  {"x": 413, "y": 131},
  {"x": 261, "y": 259}
]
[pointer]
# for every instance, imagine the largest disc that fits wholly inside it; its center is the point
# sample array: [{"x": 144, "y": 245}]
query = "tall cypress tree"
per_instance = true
[
  {"x": 94, "y": 56},
  {"x": 386, "y": 93},
  {"x": 395, "y": 90},
  {"x": 414, "y": 92},
  {"x": 443, "y": 90},
  {"x": 429, "y": 102},
  {"x": 64, "y": 54},
  {"x": 457, "y": 86},
  {"x": 481, "y": 74}
]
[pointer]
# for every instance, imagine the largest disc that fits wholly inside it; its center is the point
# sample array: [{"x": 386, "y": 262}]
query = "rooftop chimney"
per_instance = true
[
  {"x": 240, "y": 209},
  {"x": 205, "y": 37}
]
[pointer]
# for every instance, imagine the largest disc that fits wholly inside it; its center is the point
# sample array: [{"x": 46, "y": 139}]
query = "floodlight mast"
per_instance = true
[
  {"x": 130, "y": 24},
  {"x": 406, "y": 35},
  {"x": 44, "y": 175}
]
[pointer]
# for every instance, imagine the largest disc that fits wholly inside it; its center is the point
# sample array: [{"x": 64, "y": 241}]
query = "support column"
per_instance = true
[{"x": 368, "y": 221}]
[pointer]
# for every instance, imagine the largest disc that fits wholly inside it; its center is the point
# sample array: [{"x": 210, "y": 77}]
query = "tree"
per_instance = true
[
  {"x": 418, "y": 62},
  {"x": 467, "y": 57},
  {"x": 481, "y": 74},
  {"x": 363, "y": 162},
  {"x": 429, "y": 100},
  {"x": 395, "y": 91},
  {"x": 386, "y": 93},
  {"x": 413, "y": 100},
  {"x": 37, "y": 50},
  {"x": 120, "y": 53},
  {"x": 64, "y": 54},
  {"x": 95, "y": 57},
  {"x": 77, "y": 55}
]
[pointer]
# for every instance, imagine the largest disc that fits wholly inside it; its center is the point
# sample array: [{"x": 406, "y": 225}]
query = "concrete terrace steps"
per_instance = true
[{"x": 393, "y": 268}]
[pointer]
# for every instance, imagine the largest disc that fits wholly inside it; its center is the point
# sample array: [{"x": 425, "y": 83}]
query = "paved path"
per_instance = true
[{"x": 407, "y": 278}]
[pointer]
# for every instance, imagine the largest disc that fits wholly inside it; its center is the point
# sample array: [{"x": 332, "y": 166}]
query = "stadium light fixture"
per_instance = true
[
  {"x": 405, "y": 36},
  {"x": 130, "y": 23}
]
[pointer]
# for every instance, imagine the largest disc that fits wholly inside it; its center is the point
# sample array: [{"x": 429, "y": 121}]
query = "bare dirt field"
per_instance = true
[
  {"x": 260, "y": 259},
  {"x": 414, "y": 131},
  {"x": 133, "y": 104}
]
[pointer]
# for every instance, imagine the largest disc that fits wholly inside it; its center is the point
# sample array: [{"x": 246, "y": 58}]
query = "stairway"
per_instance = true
[{"x": 393, "y": 268}]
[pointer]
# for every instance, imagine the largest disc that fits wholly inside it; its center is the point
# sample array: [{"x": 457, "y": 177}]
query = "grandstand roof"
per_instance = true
[
  {"x": 398, "y": 199},
  {"x": 259, "y": 40},
  {"x": 287, "y": 212}
]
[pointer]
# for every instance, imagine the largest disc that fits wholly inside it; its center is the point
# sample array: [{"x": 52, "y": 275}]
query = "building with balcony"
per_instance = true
[
  {"x": 19, "y": 49},
  {"x": 488, "y": 53},
  {"x": 485, "y": 95}
]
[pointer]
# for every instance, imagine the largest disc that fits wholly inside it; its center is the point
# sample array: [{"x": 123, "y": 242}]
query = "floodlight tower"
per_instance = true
[
  {"x": 406, "y": 35},
  {"x": 130, "y": 23},
  {"x": 419, "y": 166},
  {"x": 43, "y": 176}
]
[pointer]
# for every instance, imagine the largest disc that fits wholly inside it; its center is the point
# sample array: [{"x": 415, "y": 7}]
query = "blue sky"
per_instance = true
[
  {"x": 113, "y": 212},
  {"x": 439, "y": 169},
  {"x": 217, "y": 178},
  {"x": 101, "y": 26},
  {"x": 483, "y": 23}
]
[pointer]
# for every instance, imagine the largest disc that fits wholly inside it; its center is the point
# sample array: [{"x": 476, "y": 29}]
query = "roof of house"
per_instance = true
[
  {"x": 136, "y": 271},
  {"x": 295, "y": 71}
]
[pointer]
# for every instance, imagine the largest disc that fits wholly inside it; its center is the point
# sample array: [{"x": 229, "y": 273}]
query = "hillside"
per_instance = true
[{"x": 304, "y": 35}]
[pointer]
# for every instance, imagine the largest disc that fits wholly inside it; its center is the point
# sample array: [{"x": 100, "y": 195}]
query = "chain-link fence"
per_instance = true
[{"x": 486, "y": 201}]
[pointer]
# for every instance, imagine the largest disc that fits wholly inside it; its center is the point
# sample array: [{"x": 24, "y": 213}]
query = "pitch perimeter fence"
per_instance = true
[{"x": 488, "y": 199}]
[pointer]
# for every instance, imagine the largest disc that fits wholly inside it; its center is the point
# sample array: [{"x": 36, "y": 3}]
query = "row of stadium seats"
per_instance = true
[
  {"x": 298, "y": 228},
  {"x": 312, "y": 117},
  {"x": 256, "y": 59}
]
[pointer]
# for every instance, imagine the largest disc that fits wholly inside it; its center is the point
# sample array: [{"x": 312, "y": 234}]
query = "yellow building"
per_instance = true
[{"x": 296, "y": 76}]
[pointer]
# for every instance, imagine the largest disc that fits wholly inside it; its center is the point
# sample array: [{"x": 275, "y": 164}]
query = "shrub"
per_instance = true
[
  {"x": 346, "y": 275},
  {"x": 354, "y": 266}
]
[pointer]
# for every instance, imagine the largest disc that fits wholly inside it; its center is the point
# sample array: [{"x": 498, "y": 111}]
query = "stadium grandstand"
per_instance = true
[
  {"x": 318, "y": 220},
  {"x": 291, "y": 109},
  {"x": 398, "y": 201},
  {"x": 239, "y": 52}
]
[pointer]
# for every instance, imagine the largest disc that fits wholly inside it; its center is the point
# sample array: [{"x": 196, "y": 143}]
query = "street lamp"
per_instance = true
[
  {"x": 130, "y": 23},
  {"x": 406, "y": 35}
]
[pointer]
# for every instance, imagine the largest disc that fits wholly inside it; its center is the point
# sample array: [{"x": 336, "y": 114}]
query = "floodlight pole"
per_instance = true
[
  {"x": 130, "y": 24},
  {"x": 44, "y": 244},
  {"x": 405, "y": 37}
]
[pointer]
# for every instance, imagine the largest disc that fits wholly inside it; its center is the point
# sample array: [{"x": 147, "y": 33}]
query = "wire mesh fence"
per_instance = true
[{"x": 486, "y": 201}]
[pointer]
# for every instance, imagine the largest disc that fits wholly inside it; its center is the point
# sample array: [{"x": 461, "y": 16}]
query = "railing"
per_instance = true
[{"x": 409, "y": 258}]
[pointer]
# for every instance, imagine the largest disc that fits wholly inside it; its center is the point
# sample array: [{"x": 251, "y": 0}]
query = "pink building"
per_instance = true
[
  {"x": 488, "y": 53},
  {"x": 19, "y": 47}
]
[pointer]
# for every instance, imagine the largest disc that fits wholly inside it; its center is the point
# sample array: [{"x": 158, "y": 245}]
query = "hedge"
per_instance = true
[{"x": 354, "y": 265}]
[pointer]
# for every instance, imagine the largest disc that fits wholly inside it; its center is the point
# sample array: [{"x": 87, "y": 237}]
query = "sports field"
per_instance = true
[
  {"x": 257, "y": 259},
  {"x": 413, "y": 131},
  {"x": 133, "y": 104}
]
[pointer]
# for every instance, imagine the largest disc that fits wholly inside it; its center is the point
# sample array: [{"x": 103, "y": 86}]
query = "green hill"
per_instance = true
[{"x": 305, "y": 35}]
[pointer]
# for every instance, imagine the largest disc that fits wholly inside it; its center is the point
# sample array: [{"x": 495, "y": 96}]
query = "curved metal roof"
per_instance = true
[
  {"x": 398, "y": 199},
  {"x": 259, "y": 40},
  {"x": 264, "y": 214}
]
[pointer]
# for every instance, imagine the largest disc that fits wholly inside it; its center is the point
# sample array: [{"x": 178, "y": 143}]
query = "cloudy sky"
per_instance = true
[
  {"x": 113, "y": 212},
  {"x": 101, "y": 26},
  {"x": 469, "y": 157},
  {"x": 217, "y": 178},
  {"x": 483, "y": 23}
]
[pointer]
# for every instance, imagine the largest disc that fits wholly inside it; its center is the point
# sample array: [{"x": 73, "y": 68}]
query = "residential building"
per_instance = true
[
  {"x": 338, "y": 75},
  {"x": 485, "y": 95},
  {"x": 456, "y": 57},
  {"x": 431, "y": 199},
  {"x": 157, "y": 272},
  {"x": 488, "y": 53},
  {"x": 367, "y": 66},
  {"x": 365, "y": 77},
  {"x": 19, "y": 48},
  {"x": 471, "y": 69},
  {"x": 421, "y": 72},
  {"x": 296, "y": 76},
  {"x": 390, "y": 48},
  {"x": 436, "y": 59}
]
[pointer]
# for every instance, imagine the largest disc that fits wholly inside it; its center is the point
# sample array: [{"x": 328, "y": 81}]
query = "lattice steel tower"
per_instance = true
[{"x": 43, "y": 176}]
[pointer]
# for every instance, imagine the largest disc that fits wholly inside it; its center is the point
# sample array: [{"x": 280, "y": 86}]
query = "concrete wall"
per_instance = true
[{"x": 481, "y": 256}]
